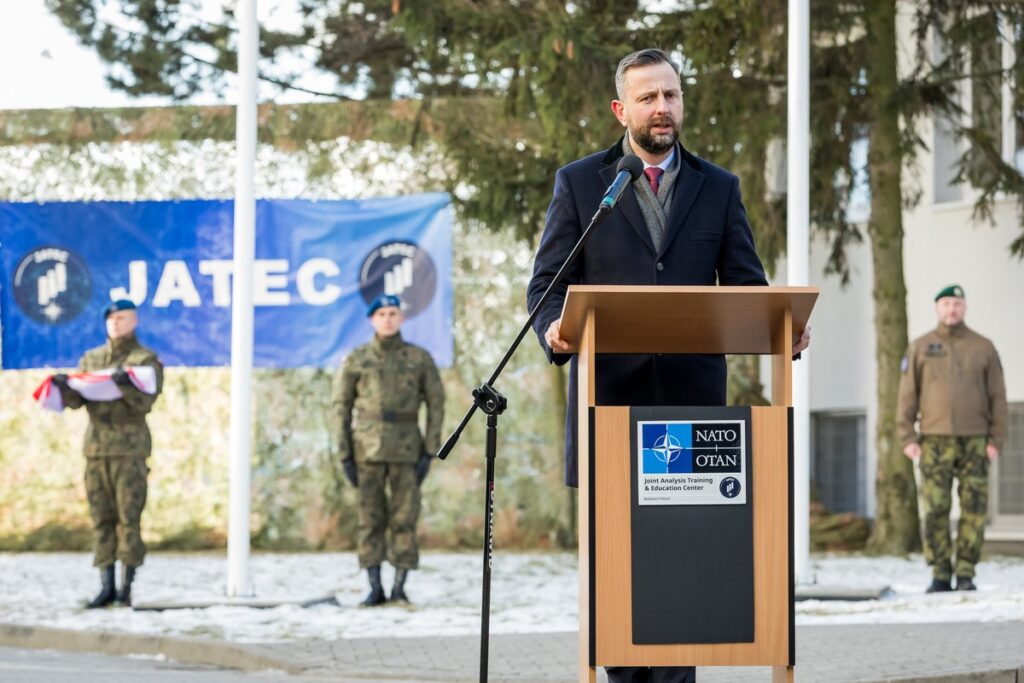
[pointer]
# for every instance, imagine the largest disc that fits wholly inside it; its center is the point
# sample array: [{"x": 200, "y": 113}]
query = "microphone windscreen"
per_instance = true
[{"x": 631, "y": 163}]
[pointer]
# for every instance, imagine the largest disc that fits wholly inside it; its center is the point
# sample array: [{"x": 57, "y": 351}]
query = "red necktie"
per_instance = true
[{"x": 653, "y": 174}]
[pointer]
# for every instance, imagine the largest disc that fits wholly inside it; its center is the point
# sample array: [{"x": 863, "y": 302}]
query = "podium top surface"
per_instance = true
[{"x": 674, "y": 319}]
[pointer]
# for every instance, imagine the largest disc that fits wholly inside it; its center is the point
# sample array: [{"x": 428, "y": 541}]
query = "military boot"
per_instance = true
[
  {"x": 107, "y": 593},
  {"x": 965, "y": 583},
  {"x": 939, "y": 586},
  {"x": 124, "y": 594},
  {"x": 398, "y": 590},
  {"x": 376, "y": 595}
]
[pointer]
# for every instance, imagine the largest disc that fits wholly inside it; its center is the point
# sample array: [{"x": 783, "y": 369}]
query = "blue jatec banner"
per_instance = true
[{"x": 317, "y": 265}]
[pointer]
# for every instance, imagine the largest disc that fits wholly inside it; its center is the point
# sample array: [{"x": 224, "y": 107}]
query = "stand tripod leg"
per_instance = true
[{"x": 485, "y": 610}]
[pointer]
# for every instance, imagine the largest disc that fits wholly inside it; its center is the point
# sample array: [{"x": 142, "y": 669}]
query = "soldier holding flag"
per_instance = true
[{"x": 117, "y": 444}]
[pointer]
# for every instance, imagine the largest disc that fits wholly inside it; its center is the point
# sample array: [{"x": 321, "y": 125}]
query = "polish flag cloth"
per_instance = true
[{"x": 95, "y": 386}]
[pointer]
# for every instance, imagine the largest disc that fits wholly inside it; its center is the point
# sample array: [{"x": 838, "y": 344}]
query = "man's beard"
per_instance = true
[{"x": 656, "y": 144}]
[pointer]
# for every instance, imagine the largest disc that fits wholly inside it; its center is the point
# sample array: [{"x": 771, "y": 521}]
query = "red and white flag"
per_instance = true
[{"x": 95, "y": 386}]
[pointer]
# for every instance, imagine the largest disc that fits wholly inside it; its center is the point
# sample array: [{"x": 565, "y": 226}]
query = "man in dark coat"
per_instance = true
[{"x": 681, "y": 223}]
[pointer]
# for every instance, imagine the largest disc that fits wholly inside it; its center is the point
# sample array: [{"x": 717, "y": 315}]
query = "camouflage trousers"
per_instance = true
[
  {"x": 387, "y": 520},
  {"x": 942, "y": 459},
  {"x": 116, "y": 489}
]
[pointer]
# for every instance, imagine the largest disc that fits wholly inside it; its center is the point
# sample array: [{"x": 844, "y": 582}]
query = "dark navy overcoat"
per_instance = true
[{"x": 707, "y": 241}]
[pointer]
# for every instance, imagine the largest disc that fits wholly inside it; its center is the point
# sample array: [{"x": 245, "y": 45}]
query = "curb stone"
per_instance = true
[{"x": 192, "y": 650}]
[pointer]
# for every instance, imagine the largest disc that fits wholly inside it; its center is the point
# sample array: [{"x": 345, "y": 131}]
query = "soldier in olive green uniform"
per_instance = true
[
  {"x": 952, "y": 386},
  {"x": 377, "y": 395},
  {"x": 117, "y": 444}
]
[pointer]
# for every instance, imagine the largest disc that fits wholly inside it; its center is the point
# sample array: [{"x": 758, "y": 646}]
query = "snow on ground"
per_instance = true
[
  {"x": 530, "y": 593},
  {"x": 1000, "y": 594}
]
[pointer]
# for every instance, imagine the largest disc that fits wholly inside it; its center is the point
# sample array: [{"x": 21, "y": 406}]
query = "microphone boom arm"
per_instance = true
[
  {"x": 629, "y": 164},
  {"x": 487, "y": 387}
]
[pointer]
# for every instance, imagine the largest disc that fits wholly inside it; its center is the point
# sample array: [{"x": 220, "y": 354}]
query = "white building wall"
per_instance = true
[{"x": 842, "y": 333}]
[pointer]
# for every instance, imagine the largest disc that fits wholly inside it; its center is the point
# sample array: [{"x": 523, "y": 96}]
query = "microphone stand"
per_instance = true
[{"x": 493, "y": 404}]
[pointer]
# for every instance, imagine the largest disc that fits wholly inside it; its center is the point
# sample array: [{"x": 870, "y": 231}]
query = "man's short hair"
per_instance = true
[{"x": 651, "y": 55}]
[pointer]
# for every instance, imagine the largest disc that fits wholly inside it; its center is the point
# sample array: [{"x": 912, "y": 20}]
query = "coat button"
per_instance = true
[{"x": 661, "y": 266}]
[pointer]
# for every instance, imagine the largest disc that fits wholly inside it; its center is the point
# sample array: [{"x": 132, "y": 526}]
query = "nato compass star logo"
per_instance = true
[
  {"x": 52, "y": 285},
  {"x": 667, "y": 449}
]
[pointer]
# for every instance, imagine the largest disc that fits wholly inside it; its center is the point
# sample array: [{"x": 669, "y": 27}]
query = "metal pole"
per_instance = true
[
  {"x": 797, "y": 254},
  {"x": 485, "y": 607},
  {"x": 239, "y": 583}
]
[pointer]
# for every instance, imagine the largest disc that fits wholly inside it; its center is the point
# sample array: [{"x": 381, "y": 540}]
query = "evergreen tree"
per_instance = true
[{"x": 549, "y": 66}]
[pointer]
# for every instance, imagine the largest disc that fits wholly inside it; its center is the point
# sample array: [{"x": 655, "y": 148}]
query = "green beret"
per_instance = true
[{"x": 952, "y": 290}]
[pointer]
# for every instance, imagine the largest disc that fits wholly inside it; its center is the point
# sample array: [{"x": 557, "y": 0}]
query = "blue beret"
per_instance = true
[
  {"x": 952, "y": 290},
  {"x": 119, "y": 305},
  {"x": 382, "y": 301}
]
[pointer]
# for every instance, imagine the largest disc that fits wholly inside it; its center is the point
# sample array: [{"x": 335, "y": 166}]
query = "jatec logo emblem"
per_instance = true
[
  {"x": 52, "y": 285},
  {"x": 401, "y": 268}
]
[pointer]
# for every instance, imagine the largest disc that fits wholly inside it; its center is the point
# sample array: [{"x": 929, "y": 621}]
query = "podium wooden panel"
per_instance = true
[
  {"x": 625, "y": 319},
  {"x": 614, "y": 573}
]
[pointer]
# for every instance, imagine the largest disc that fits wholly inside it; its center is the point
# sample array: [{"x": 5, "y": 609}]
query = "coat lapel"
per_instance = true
[
  {"x": 628, "y": 204},
  {"x": 688, "y": 184}
]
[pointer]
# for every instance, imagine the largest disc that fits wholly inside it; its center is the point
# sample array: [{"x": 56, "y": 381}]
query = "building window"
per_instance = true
[
  {"x": 839, "y": 461},
  {"x": 986, "y": 101},
  {"x": 986, "y": 92},
  {"x": 1013, "y": 98},
  {"x": 1009, "y": 488},
  {"x": 947, "y": 154},
  {"x": 946, "y": 147}
]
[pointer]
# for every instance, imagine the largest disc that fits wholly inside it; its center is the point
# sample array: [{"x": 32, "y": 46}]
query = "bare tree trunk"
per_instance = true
[{"x": 896, "y": 523}]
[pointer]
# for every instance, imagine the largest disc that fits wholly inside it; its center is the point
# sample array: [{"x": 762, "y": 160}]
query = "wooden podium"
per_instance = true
[{"x": 601, "y": 319}]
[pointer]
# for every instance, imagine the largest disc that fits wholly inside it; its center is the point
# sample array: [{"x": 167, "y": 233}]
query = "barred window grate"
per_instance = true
[
  {"x": 839, "y": 461},
  {"x": 1011, "y": 466}
]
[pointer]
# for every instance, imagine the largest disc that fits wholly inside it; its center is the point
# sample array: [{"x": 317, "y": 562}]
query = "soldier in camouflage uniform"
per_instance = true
[
  {"x": 952, "y": 385},
  {"x": 117, "y": 444},
  {"x": 377, "y": 395}
]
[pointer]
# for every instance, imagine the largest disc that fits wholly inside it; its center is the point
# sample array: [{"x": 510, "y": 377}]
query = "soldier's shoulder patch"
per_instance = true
[{"x": 904, "y": 364}]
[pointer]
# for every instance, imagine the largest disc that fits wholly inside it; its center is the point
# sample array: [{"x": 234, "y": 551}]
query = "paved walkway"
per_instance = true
[
  {"x": 936, "y": 653},
  {"x": 824, "y": 653}
]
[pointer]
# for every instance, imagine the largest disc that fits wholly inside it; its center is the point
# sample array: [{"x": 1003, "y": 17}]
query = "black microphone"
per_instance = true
[{"x": 628, "y": 169}]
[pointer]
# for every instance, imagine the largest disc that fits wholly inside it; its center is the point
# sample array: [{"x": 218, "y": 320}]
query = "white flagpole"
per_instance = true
[
  {"x": 239, "y": 583},
  {"x": 797, "y": 254}
]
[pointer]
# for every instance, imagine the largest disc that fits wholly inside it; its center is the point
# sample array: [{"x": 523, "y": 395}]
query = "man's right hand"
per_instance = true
[
  {"x": 120, "y": 378},
  {"x": 349, "y": 467},
  {"x": 912, "y": 450},
  {"x": 554, "y": 338}
]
